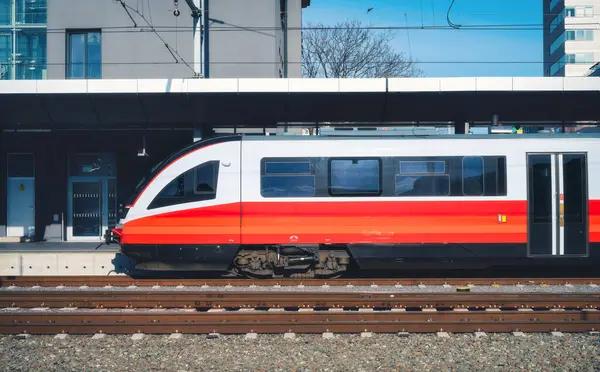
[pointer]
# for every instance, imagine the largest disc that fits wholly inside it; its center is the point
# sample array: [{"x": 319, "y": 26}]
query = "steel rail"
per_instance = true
[
  {"x": 100, "y": 281},
  {"x": 257, "y": 299},
  {"x": 317, "y": 322}
]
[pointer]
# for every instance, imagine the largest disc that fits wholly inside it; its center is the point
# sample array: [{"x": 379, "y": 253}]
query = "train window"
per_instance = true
[
  {"x": 501, "y": 172},
  {"x": 412, "y": 167},
  {"x": 205, "y": 179},
  {"x": 282, "y": 179},
  {"x": 451, "y": 176},
  {"x": 175, "y": 188},
  {"x": 422, "y": 177},
  {"x": 494, "y": 178},
  {"x": 355, "y": 177},
  {"x": 298, "y": 167},
  {"x": 422, "y": 185},
  {"x": 473, "y": 175},
  {"x": 287, "y": 186},
  {"x": 197, "y": 184},
  {"x": 574, "y": 187}
]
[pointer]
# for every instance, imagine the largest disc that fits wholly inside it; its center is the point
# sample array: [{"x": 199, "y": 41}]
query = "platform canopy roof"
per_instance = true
[{"x": 182, "y": 103}]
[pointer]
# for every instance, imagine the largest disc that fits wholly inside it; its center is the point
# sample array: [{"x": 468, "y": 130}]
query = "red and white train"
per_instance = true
[{"x": 269, "y": 206}]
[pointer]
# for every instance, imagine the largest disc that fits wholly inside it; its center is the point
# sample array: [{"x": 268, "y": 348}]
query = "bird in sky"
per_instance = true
[{"x": 368, "y": 10}]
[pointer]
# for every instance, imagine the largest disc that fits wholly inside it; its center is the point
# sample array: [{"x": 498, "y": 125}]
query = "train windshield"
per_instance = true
[
  {"x": 157, "y": 168},
  {"x": 168, "y": 160},
  {"x": 144, "y": 181}
]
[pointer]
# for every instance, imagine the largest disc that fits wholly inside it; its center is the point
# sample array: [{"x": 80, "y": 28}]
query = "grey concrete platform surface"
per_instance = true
[
  {"x": 62, "y": 258},
  {"x": 58, "y": 247}
]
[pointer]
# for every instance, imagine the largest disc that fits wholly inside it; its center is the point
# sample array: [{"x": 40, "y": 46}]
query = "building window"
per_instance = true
[
  {"x": 588, "y": 11},
  {"x": 5, "y": 12},
  {"x": 196, "y": 184},
  {"x": 580, "y": 11},
  {"x": 573, "y": 35},
  {"x": 30, "y": 11},
  {"x": 84, "y": 54},
  {"x": 31, "y": 54},
  {"x": 580, "y": 35},
  {"x": 282, "y": 178},
  {"x": 5, "y": 55},
  {"x": 580, "y": 58},
  {"x": 553, "y": 4},
  {"x": 571, "y": 58},
  {"x": 355, "y": 177}
]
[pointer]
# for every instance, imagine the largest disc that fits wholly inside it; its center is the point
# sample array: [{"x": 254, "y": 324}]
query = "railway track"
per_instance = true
[
  {"x": 124, "y": 281},
  {"x": 297, "y": 322},
  {"x": 294, "y": 300},
  {"x": 85, "y": 312}
]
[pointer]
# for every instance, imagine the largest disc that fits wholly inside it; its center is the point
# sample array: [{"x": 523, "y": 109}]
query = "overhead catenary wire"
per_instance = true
[
  {"x": 408, "y": 38},
  {"x": 450, "y": 23},
  {"x": 173, "y": 52},
  {"x": 126, "y": 11},
  {"x": 504, "y": 27},
  {"x": 150, "y": 12},
  {"x": 398, "y": 11},
  {"x": 316, "y": 62}
]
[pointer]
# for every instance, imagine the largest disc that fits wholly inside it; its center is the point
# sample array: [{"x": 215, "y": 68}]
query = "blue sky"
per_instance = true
[{"x": 443, "y": 46}]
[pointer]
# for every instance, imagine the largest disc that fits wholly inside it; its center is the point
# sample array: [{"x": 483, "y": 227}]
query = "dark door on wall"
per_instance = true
[{"x": 557, "y": 197}]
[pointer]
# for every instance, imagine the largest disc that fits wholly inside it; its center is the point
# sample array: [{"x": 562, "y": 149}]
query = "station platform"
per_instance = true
[
  {"x": 57, "y": 247},
  {"x": 63, "y": 258}
]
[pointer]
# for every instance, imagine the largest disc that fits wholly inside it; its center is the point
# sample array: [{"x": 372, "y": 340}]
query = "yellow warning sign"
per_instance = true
[{"x": 22, "y": 187}]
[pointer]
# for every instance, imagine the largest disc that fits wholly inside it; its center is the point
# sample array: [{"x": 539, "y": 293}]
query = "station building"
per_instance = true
[{"x": 67, "y": 162}]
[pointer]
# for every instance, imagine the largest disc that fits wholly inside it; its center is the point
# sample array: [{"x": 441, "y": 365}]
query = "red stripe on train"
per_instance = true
[
  {"x": 384, "y": 208},
  {"x": 277, "y": 222}
]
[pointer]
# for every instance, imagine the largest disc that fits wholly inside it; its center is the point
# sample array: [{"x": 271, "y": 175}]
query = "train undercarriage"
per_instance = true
[
  {"x": 292, "y": 261},
  {"x": 334, "y": 260},
  {"x": 272, "y": 261}
]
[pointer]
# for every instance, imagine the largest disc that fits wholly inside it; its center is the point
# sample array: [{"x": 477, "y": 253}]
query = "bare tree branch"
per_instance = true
[{"x": 349, "y": 50}]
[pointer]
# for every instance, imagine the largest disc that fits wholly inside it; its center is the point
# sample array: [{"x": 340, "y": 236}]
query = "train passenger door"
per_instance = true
[{"x": 557, "y": 201}]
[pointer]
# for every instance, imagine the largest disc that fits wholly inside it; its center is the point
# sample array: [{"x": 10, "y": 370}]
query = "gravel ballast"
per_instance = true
[{"x": 346, "y": 352}]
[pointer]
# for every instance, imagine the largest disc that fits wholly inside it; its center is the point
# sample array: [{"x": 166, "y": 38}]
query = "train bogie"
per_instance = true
[{"x": 285, "y": 206}]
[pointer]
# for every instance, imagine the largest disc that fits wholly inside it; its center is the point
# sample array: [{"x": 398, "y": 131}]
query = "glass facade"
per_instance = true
[
  {"x": 30, "y": 11},
  {"x": 573, "y": 11},
  {"x": 580, "y": 35},
  {"x": 571, "y": 58},
  {"x": 571, "y": 38},
  {"x": 577, "y": 35},
  {"x": 23, "y": 39}
]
